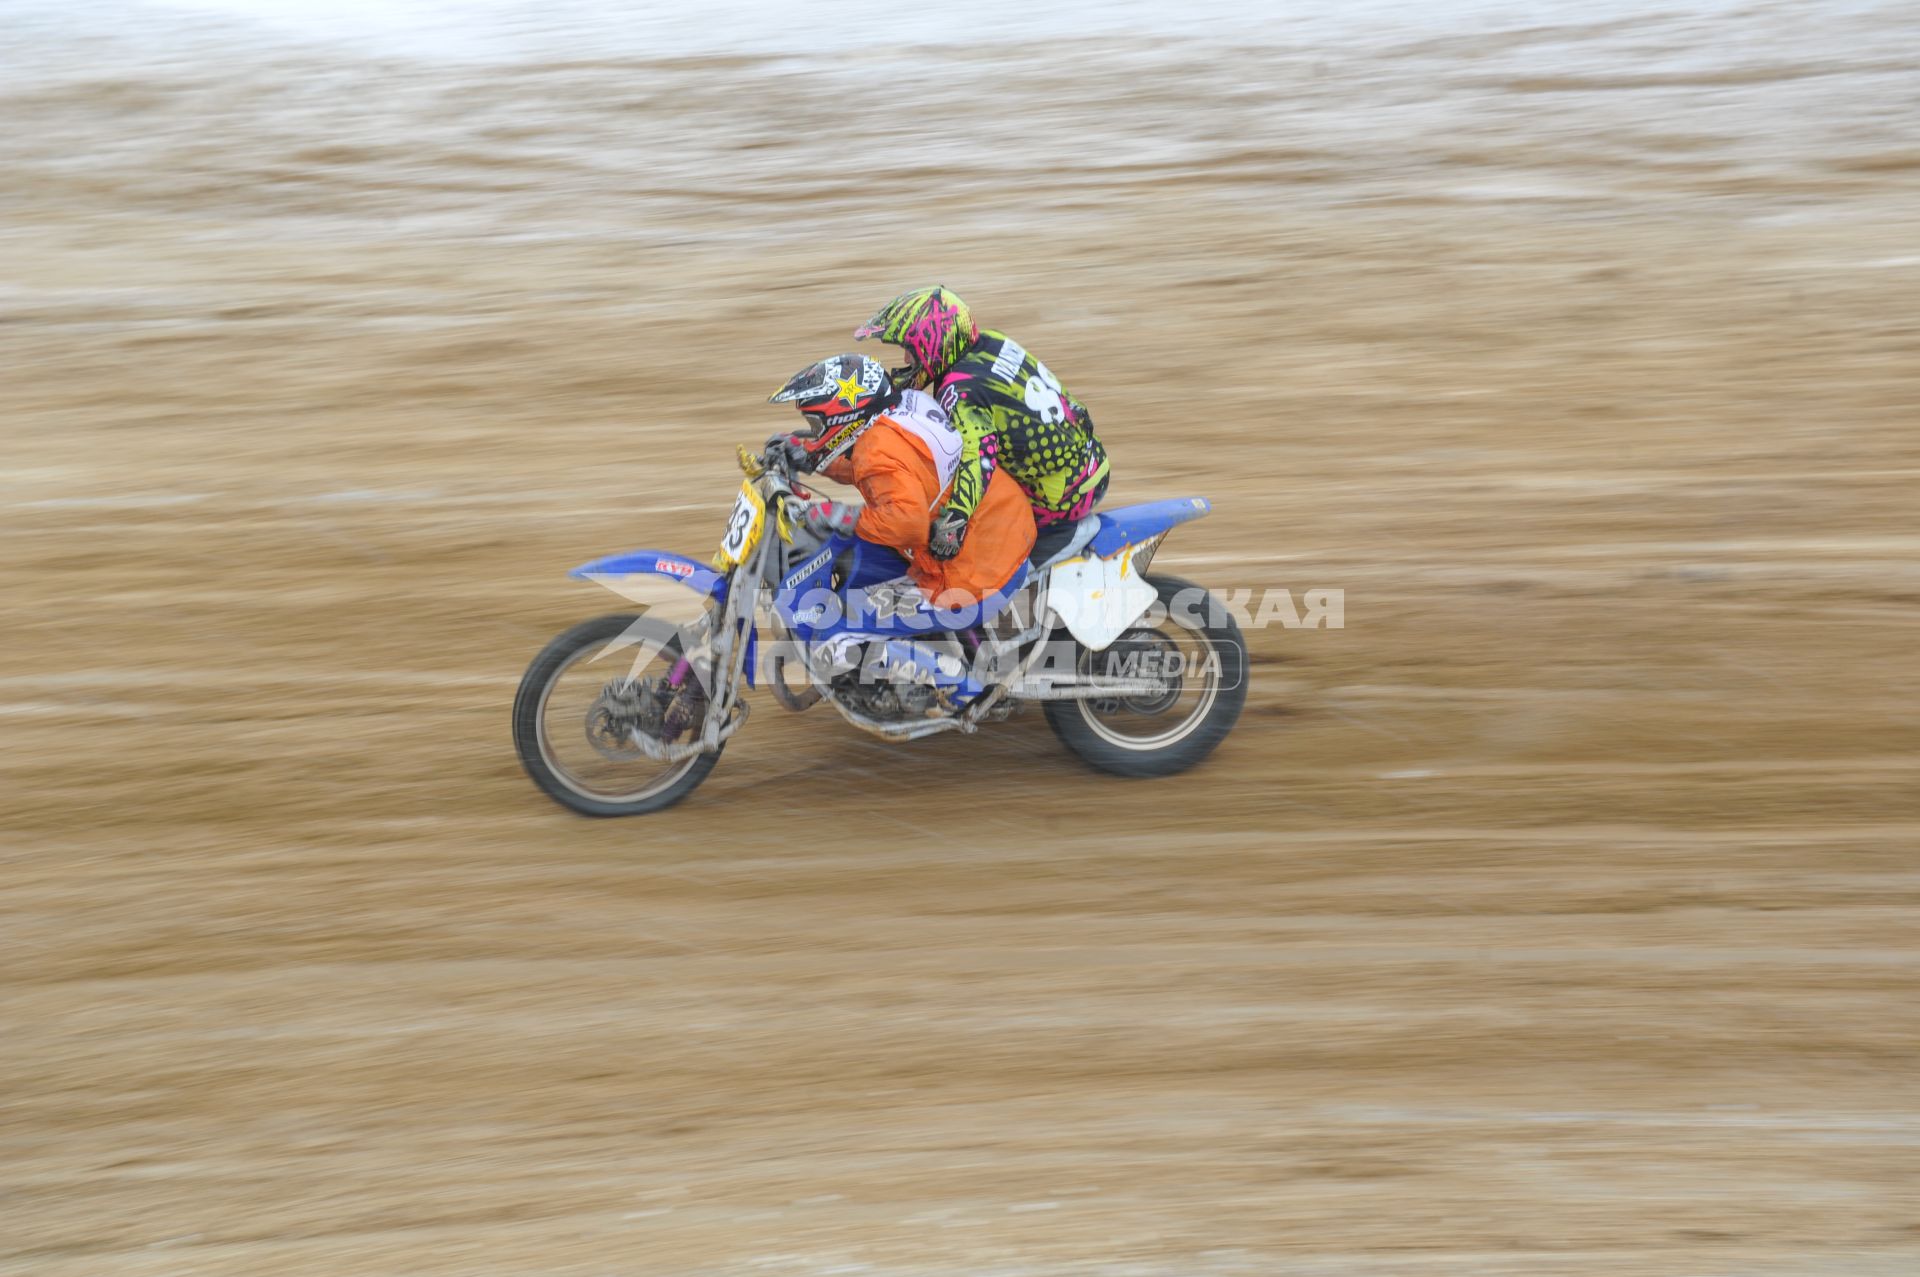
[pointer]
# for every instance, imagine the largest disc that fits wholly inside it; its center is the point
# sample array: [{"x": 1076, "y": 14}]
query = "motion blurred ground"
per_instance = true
[{"x": 1556, "y": 916}]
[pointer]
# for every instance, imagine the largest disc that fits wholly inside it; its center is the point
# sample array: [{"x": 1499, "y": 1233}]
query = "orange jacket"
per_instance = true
[{"x": 896, "y": 474}]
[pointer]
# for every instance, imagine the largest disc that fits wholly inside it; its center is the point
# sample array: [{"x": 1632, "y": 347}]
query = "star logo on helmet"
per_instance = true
[{"x": 850, "y": 390}]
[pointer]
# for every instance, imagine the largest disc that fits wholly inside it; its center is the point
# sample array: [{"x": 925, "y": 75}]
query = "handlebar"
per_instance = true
[{"x": 772, "y": 464}]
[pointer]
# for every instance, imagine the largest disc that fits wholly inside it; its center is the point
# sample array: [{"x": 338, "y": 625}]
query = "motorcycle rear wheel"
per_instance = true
[{"x": 1174, "y": 730}]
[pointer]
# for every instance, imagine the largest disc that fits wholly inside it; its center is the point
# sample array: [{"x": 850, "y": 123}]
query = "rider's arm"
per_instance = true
[
  {"x": 898, "y": 503},
  {"x": 840, "y": 470},
  {"x": 969, "y": 477}
]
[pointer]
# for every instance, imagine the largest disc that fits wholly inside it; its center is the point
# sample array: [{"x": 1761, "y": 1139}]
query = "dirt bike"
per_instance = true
[{"x": 1138, "y": 675}]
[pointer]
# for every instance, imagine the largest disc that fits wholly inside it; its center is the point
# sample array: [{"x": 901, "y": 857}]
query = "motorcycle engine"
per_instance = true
[
  {"x": 890, "y": 700},
  {"x": 866, "y": 683}
]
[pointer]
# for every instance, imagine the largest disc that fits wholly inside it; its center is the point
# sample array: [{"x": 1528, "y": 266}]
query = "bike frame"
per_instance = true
[{"x": 731, "y": 627}]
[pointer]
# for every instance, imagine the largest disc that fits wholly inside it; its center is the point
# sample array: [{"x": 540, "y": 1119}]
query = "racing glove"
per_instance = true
[
  {"x": 947, "y": 534},
  {"x": 827, "y": 518},
  {"x": 789, "y": 449}
]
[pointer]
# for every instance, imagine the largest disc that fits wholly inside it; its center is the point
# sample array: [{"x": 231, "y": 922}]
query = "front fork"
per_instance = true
[{"x": 725, "y": 639}]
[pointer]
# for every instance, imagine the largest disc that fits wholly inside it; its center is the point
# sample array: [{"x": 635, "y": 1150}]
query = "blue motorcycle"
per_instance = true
[{"x": 1138, "y": 674}]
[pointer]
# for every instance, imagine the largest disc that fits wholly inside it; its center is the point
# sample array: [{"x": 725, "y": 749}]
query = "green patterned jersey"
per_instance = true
[{"x": 1014, "y": 415}]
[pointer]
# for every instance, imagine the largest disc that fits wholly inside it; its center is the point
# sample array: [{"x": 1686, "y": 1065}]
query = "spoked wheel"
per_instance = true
[
  {"x": 601, "y": 726},
  {"x": 1190, "y": 647}
]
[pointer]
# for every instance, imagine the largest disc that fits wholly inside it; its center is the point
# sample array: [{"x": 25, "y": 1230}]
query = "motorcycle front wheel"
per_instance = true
[{"x": 579, "y": 704}]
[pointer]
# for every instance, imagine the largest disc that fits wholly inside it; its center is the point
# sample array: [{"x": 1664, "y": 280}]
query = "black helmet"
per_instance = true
[{"x": 839, "y": 398}]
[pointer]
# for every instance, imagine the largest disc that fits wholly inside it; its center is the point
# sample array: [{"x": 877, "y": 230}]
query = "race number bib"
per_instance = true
[
  {"x": 1044, "y": 397},
  {"x": 928, "y": 422},
  {"x": 744, "y": 522}
]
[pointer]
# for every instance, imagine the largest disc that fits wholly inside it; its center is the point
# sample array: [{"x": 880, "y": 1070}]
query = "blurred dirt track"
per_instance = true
[{"x": 1554, "y": 917}]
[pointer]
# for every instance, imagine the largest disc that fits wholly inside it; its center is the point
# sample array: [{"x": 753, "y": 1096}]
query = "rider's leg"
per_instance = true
[
  {"x": 871, "y": 573},
  {"x": 870, "y": 563}
]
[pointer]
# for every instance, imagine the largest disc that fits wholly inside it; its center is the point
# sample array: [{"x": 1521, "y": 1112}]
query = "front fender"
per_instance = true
[{"x": 697, "y": 577}]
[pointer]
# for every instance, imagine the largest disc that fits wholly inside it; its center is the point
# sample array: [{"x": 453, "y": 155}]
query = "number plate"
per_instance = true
[
  {"x": 744, "y": 525},
  {"x": 1097, "y": 599}
]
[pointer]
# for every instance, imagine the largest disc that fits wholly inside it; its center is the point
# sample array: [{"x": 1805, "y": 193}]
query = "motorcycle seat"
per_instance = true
[{"x": 1061, "y": 541}]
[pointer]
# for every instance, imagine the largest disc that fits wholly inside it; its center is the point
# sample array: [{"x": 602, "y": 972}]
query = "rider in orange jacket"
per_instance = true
[{"x": 901, "y": 450}]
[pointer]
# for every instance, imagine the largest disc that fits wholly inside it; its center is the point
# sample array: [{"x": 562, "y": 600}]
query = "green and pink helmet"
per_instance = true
[{"x": 932, "y": 325}]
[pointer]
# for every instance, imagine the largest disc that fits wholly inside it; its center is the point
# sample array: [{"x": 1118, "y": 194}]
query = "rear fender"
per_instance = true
[
  {"x": 1101, "y": 593},
  {"x": 1132, "y": 524}
]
